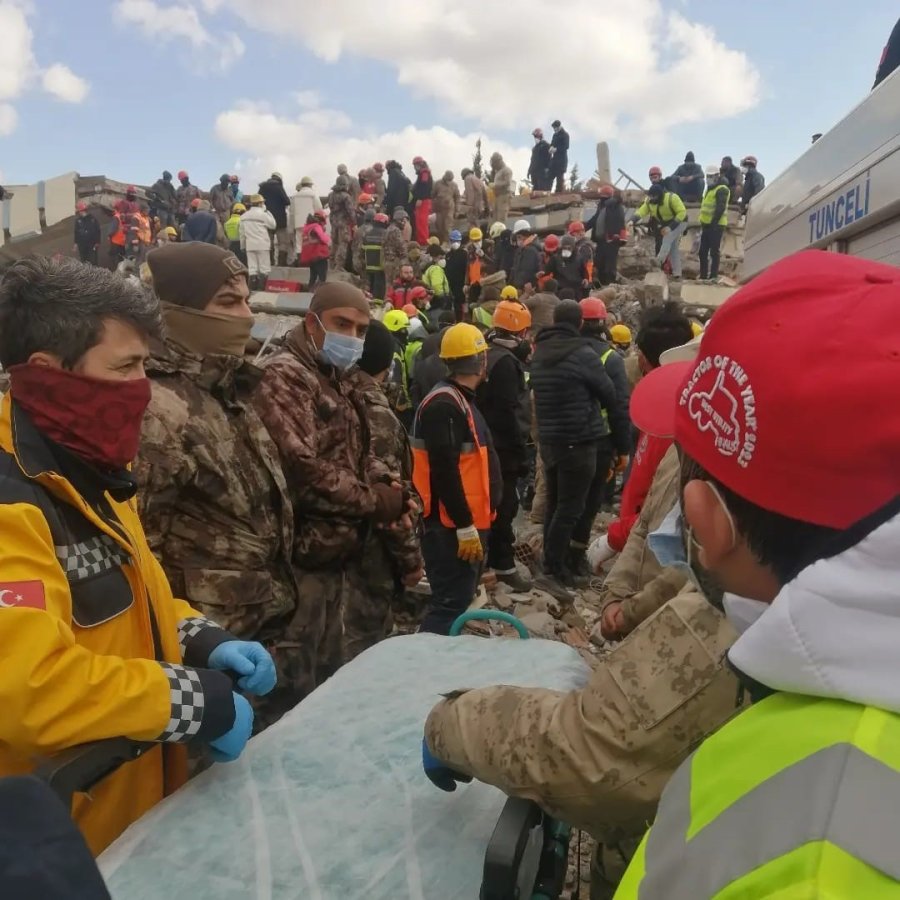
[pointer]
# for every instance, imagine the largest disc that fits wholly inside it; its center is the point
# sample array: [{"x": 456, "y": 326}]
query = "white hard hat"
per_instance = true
[
  {"x": 520, "y": 226},
  {"x": 712, "y": 171}
]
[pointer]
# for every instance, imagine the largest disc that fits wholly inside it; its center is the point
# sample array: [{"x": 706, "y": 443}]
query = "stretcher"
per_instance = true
[{"x": 331, "y": 802}]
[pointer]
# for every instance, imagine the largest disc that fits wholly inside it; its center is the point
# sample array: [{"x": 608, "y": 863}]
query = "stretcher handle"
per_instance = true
[{"x": 485, "y": 614}]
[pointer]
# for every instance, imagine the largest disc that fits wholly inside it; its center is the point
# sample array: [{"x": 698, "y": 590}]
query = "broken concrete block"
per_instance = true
[
  {"x": 540, "y": 624},
  {"x": 656, "y": 288},
  {"x": 705, "y": 294}
]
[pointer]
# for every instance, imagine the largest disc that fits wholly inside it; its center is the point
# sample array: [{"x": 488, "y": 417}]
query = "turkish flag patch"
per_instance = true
[{"x": 22, "y": 593}]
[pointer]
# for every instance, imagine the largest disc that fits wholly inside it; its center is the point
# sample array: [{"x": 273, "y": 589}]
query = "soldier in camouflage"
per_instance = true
[
  {"x": 337, "y": 486},
  {"x": 394, "y": 246},
  {"x": 391, "y": 558},
  {"x": 343, "y": 221},
  {"x": 213, "y": 498}
]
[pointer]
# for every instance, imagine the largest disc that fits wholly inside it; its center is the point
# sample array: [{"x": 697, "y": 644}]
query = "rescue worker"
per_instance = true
[
  {"x": 607, "y": 227},
  {"x": 232, "y": 228},
  {"x": 446, "y": 200},
  {"x": 475, "y": 195},
  {"x": 713, "y": 220},
  {"x": 505, "y": 403},
  {"x": 237, "y": 195},
  {"x": 336, "y": 485},
  {"x": 227, "y": 552},
  {"x": 394, "y": 246},
  {"x": 655, "y": 175},
  {"x": 118, "y": 239},
  {"x": 754, "y": 182},
  {"x": 87, "y": 235},
  {"x": 221, "y": 199},
  {"x": 373, "y": 255},
  {"x": 457, "y": 475},
  {"x": 539, "y": 167},
  {"x": 399, "y": 294},
  {"x": 201, "y": 225},
  {"x": 584, "y": 255},
  {"x": 278, "y": 203},
  {"x": 315, "y": 247},
  {"x": 365, "y": 209},
  {"x": 457, "y": 270},
  {"x": 800, "y": 786},
  {"x": 668, "y": 218},
  {"x": 185, "y": 195},
  {"x": 343, "y": 222},
  {"x": 397, "y": 323},
  {"x": 475, "y": 258},
  {"x": 352, "y": 183},
  {"x": 398, "y": 189},
  {"x": 389, "y": 560},
  {"x": 550, "y": 248},
  {"x": 380, "y": 187},
  {"x": 687, "y": 180},
  {"x": 128, "y": 204},
  {"x": 570, "y": 269},
  {"x": 732, "y": 174},
  {"x": 162, "y": 199},
  {"x": 304, "y": 204},
  {"x": 255, "y": 229},
  {"x": 94, "y": 645},
  {"x": 571, "y": 388},
  {"x": 614, "y": 445},
  {"x": 421, "y": 198},
  {"x": 559, "y": 156},
  {"x": 501, "y": 182},
  {"x": 541, "y": 305},
  {"x": 527, "y": 261},
  {"x": 621, "y": 338},
  {"x": 435, "y": 279}
]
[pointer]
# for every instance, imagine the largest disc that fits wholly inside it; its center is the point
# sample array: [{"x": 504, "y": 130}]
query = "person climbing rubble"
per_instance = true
[{"x": 667, "y": 216}]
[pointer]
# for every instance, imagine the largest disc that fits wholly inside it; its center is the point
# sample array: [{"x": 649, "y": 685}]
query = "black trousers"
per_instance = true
[
  {"x": 501, "y": 554},
  {"x": 88, "y": 255},
  {"x": 569, "y": 472},
  {"x": 318, "y": 272},
  {"x": 710, "y": 242},
  {"x": 376, "y": 284},
  {"x": 596, "y": 494},
  {"x": 606, "y": 261}
]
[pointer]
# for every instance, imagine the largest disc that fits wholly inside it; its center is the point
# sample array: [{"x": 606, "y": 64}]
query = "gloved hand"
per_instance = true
[
  {"x": 438, "y": 774},
  {"x": 249, "y": 660},
  {"x": 469, "y": 542},
  {"x": 230, "y": 745},
  {"x": 388, "y": 503}
]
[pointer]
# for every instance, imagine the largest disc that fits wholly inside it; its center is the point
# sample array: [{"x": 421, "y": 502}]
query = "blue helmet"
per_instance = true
[{"x": 455, "y": 236}]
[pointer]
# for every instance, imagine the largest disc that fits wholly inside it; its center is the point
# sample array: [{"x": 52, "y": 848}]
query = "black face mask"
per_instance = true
[{"x": 523, "y": 350}]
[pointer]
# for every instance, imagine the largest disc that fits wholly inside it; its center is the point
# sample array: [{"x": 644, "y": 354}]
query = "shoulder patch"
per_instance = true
[{"x": 22, "y": 593}]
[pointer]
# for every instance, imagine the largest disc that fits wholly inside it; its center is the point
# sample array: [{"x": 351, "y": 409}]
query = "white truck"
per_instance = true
[{"x": 841, "y": 195}]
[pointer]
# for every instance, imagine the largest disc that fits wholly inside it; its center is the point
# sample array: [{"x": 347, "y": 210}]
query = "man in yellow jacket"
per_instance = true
[{"x": 94, "y": 645}]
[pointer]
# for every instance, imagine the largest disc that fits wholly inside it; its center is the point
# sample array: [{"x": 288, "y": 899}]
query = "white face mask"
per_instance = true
[
  {"x": 455, "y": 245},
  {"x": 442, "y": 263},
  {"x": 477, "y": 245},
  {"x": 566, "y": 254}
]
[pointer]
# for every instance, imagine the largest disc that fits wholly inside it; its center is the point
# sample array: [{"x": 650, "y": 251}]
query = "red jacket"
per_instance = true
[
  {"x": 399, "y": 290},
  {"x": 314, "y": 244},
  {"x": 647, "y": 457}
]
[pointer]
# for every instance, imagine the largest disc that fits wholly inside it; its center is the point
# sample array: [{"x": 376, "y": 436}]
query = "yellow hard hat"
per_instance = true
[
  {"x": 475, "y": 234},
  {"x": 434, "y": 241},
  {"x": 238, "y": 208},
  {"x": 621, "y": 334},
  {"x": 462, "y": 340},
  {"x": 509, "y": 293},
  {"x": 696, "y": 328},
  {"x": 395, "y": 320}
]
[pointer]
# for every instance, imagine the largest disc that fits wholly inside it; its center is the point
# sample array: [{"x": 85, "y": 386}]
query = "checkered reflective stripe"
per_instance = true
[
  {"x": 94, "y": 556},
  {"x": 189, "y": 628},
  {"x": 187, "y": 703}
]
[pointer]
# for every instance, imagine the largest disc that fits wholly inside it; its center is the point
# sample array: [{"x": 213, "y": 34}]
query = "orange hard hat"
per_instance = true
[
  {"x": 576, "y": 228},
  {"x": 551, "y": 243},
  {"x": 195, "y": 203},
  {"x": 182, "y": 174},
  {"x": 593, "y": 308},
  {"x": 411, "y": 309},
  {"x": 607, "y": 190},
  {"x": 81, "y": 207},
  {"x": 417, "y": 293},
  {"x": 365, "y": 199},
  {"x": 512, "y": 316}
]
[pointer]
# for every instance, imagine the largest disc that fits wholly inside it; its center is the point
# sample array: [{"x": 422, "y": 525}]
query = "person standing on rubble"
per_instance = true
[
  {"x": 713, "y": 220},
  {"x": 559, "y": 157},
  {"x": 315, "y": 247},
  {"x": 505, "y": 403},
  {"x": 668, "y": 217},
  {"x": 457, "y": 474},
  {"x": 232, "y": 229},
  {"x": 421, "y": 197},
  {"x": 185, "y": 195},
  {"x": 475, "y": 194},
  {"x": 607, "y": 227},
  {"x": 87, "y": 235},
  {"x": 457, "y": 270},
  {"x": 225, "y": 550},
  {"x": 278, "y": 203},
  {"x": 94, "y": 645},
  {"x": 162, "y": 200},
  {"x": 201, "y": 225},
  {"x": 255, "y": 230},
  {"x": 221, "y": 199},
  {"x": 687, "y": 180},
  {"x": 754, "y": 182},
  {"x": 446, "y": 206},
  {"x": 394, "y": 248},
  {"x": 398, "y": 189},
  {"x": 343, "y": 222},
  {"x": 337, "y": 487},
  {"x": 501, "y": 182},
  {"x": 528, "y": 260},
  {"x": 380, "y": 187},
  {"x": 538, "y": 169},
  {"x": 732, "y": 175},
  {"x": 304, "y": 203}
]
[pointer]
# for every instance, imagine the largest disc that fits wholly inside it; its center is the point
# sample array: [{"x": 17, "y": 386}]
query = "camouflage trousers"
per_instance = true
[
  {"x": 443, "y": 220},
  {"x": 370, "y": 591},
  {"x": 539, "y": 504},
  {"x": 340, "y": 247}
]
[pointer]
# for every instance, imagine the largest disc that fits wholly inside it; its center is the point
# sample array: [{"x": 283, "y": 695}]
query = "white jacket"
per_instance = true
[
  {"x": 834, "y": 631},
  {"x": 255, "y": 226},
  {"x": 304, "y": 203}
]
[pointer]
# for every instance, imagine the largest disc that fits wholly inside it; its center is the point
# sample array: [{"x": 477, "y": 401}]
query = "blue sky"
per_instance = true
[{"x": 212, "y": 85}]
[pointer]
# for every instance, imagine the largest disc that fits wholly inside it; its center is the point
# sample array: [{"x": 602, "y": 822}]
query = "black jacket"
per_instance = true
[
  {"x": 397, "y": 192},
  {"x": 457, "y": 264},
  {"x": 691, "y": 191},
  {"x": 570, "y": 385},
  {"x": 422, "y": 188},
  {"x": 504, "y": 254},
  {"x": 503, "y": 400},
  {"x": 560, "y": 161},
  {"x": 753, "y": 185},
  {"x": 87, "y": 232},
  {"x": 617, "y": 415},
  {"x": 732, "y": 175},
  {"x": 527, "y": 262},
  {"x": 201, "y": 226},
  {"x": 570, "y": 273},
  {"x": 162, "y": 195},
  {"x": 611, "y": 222},
  {"x": 540, "y": 161},
  {"x": 277, "y": 201}
]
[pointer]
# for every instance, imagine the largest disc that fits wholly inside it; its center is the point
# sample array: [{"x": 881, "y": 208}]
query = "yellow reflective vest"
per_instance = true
[
  {"x": 798, "y": 797},
  {"x": 708, "y": 205},
  {"x": 669, "y": 211}
]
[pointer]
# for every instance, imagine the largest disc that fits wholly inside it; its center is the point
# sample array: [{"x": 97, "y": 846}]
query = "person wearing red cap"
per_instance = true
[
  {"x": 127, "y": 205},
  {"x": 185, "y": 194},
  {"x": 421, "y": 195},
  {"x": 87, "y": 235},
  {"x": 798, "y": 794}
]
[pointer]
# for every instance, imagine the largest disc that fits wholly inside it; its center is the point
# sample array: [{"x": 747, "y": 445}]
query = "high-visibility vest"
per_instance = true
[
  {"x": 373, "y": 248},
  {"x": 796, "y": 797},
  {"x": 118, "y": 236},
  {"x": 667, "y": 213},
  {"x": 708, "y": 205},
  {"x": 232, "y": 228},
  {"x": 474, "y": 464}
]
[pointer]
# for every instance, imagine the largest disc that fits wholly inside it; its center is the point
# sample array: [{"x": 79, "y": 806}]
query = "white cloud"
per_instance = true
[
  {"x": 8, "y": 119},
  {"x": 608, "y": 70},
  {"x": 316, "y": 140},
  {"x": 181, "y": 21},
  {"x": 64, "y": 84}
]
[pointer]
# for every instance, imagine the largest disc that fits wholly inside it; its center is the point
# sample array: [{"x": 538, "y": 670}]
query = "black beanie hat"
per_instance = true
[{"x": 378, "y": 350}]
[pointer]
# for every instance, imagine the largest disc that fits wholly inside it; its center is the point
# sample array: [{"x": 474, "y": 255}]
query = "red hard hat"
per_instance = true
[
  {"x": 551, "y": 243},
  {"x": 607, "y": 190},
  {"x": 655, "y": 170},
  {"x": 320, "y": 214},
  {"x": 576, "y": 228},
  {"x": 417, "y": 160},
  {"x": 411, "y": 309},
  {"x": 81, "y": 207},
  {"x": 417, "y": 293},
  {"x": 182, "y": 174},
  {"x": 537, "y": 133},
  {"x": 195, "y": 203},
  {"x": 381, "y": 218},
  {"x": 131, "y": 189},
  {"x": 593, "y": 308}
]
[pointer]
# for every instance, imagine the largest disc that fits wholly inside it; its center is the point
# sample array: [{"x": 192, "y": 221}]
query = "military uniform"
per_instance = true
[
  {"x": 445, "y": 199},
  {"x": 387, "y": 555},
  {"x": 343, "y": 223},
  {"x": 394, "y": 248}
]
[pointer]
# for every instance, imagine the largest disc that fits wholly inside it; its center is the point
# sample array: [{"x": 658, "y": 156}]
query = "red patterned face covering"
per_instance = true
[{"x": 98, "y": 420}]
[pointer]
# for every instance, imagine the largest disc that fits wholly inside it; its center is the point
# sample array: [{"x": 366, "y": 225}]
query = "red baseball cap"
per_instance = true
[{"x": 779, "y": 406}]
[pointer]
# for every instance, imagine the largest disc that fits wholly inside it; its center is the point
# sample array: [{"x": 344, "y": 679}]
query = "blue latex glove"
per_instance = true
[
  {"x": 230, "y": 745},
  {"x": 438, "y": 773},
  {"x": 249, "y": 660}
]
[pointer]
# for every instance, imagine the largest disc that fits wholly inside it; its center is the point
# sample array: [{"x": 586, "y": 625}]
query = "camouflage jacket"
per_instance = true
[
  {"x": 319, "y": 424},
  {"x": 598, "y": 758},
  {"x": 184, "y": 194},
  {"x": 394, "y": 247},
  {"x": 390, "y": 444},
  {"x": 212, "y": 496},
  {"x": 445, "y": 196},
  {"x": 342, "y": 211}
]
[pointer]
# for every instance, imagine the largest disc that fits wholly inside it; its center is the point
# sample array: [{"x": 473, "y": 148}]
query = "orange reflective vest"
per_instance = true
[
  {"x": 118, "y": 236},
  {"x": 474, "y": 466}
]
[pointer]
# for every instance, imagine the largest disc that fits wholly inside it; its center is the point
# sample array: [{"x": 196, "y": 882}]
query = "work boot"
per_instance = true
[
  {"x": 577, "y": 565},
  {"x": 517, "y": 583},
  {"x": 554, "y": 586},
  {"x": 282, "y": 258}
]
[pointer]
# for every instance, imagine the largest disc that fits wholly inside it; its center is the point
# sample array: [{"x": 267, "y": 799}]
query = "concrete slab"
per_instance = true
[
  {"x": 656, "y": 287},
  {"x": 712, "y": 295}
]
